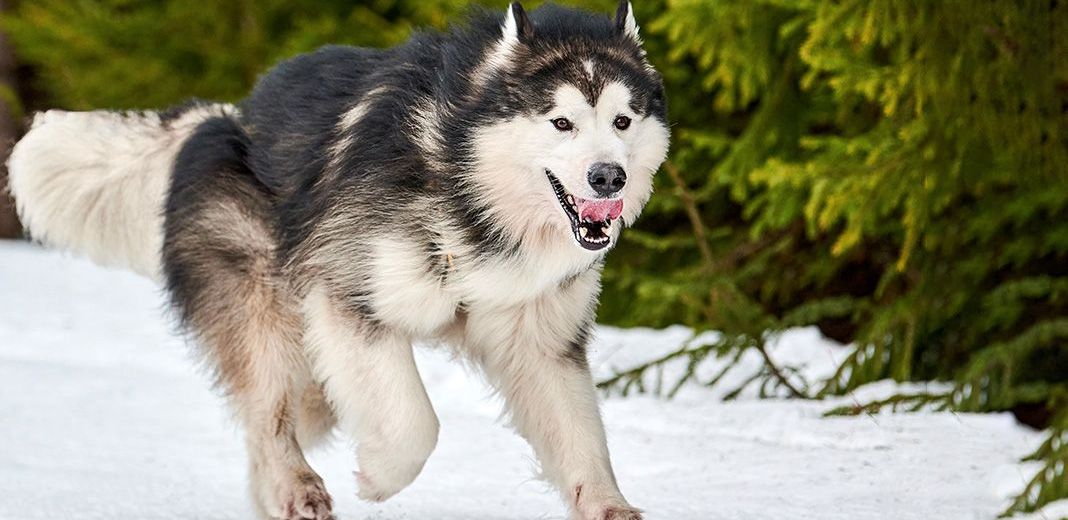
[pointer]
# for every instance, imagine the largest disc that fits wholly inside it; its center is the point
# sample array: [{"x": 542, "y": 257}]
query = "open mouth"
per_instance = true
[{"x": 590, "y": 218}]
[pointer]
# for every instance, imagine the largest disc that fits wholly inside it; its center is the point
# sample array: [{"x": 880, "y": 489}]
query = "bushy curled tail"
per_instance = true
[{"x": 96, "y": 182}]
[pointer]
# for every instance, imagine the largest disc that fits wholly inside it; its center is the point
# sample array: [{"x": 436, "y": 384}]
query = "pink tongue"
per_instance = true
[{"x": 599, "y": 210}]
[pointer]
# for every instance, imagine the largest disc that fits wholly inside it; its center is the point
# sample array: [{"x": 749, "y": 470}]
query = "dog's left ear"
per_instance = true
[{"x": 625, "y": 23}]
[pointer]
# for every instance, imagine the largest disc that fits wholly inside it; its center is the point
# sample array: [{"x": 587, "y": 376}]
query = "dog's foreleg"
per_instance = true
[
  {"x": 373, "y": 384},
  {"x": 535, "y": 357},
  {"x": 552, "y": 403}
]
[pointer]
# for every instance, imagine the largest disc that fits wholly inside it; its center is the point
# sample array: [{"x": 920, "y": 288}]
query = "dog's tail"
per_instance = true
[{"x": 96, "y": 182}]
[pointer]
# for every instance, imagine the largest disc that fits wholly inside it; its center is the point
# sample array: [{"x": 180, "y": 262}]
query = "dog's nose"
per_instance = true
[{"x": 607, "y": 178}]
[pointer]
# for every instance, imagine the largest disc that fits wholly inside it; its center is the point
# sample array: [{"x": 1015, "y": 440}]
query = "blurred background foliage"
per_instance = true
[{"x": 894, "y": 172}]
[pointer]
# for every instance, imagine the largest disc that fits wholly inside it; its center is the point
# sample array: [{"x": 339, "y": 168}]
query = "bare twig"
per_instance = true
[
  {"x": 777, "y": 372},
  {"x": 689, "y": 204}
]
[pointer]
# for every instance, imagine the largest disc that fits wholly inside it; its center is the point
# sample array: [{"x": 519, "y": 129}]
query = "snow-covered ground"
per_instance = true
[{"x": 104, "y": 415}]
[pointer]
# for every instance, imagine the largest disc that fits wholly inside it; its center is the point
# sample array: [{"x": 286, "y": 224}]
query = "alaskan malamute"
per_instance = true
[{"x": 463, "y": 187}]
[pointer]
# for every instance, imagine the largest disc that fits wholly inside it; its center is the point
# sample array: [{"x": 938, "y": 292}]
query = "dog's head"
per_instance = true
[{"x": 577, "y": 125}]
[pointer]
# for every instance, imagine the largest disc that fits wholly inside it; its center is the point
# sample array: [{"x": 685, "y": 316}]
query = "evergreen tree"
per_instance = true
[
  {"x": 10, "y": 113},
  {"x": 153, "y": 53},
  {"x": 892, "y": 171}
]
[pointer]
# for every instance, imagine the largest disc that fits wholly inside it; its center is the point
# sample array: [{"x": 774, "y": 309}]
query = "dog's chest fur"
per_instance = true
[{"x": 408, "y": 293}]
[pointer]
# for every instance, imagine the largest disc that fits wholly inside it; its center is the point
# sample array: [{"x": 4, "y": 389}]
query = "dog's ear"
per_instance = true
[
  {"x": 517, "y": 26},
  {"x": 625, "y": 23}
]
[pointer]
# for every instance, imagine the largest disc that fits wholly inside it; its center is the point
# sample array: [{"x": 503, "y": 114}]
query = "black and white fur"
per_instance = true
[{"x": 360, "y": 200}]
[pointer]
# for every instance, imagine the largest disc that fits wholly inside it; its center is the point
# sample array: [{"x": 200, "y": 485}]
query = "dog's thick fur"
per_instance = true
[{"x": 447, "y": 189}]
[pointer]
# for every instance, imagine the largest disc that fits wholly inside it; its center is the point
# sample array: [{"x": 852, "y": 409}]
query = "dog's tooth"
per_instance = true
[{"x": 583, "y": 231}]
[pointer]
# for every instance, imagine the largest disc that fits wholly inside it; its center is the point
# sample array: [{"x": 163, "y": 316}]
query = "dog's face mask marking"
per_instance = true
[
  {"x": 597, "y": 158},
  {"x": 586, "y": 129}
]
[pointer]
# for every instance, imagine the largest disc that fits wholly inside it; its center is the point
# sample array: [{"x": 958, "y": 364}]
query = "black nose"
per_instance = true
[{"x": 607, "y": 178}]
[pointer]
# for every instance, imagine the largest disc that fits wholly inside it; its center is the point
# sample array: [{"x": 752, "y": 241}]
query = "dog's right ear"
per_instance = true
[
  {"x": 517, "y": 26},
  {"x": 625, "y": 23}
]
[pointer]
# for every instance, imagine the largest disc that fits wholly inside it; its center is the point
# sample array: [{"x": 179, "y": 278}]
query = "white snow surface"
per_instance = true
[{"x": 104, "y": 413}]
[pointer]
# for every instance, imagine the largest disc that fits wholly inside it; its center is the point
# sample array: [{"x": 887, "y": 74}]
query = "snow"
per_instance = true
[{"x": 104, "y": 414}]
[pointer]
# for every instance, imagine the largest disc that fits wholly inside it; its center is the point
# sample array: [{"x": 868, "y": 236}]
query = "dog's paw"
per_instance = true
[
  {"x": 370, "y": 491},
  {"x": 614, "y": 512},
  {"x": 620, "y": 513},
  {"x": 591, "y": 505},
  {"x": 306, "y": 499},
  {"x": 385, "y": 472},
  {"x": 376, "y": 490}
]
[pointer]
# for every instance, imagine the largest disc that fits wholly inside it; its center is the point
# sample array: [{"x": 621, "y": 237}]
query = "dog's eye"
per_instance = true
[
  {"x": 622, "y": 122},
  {"x": 562, "y": 124}
]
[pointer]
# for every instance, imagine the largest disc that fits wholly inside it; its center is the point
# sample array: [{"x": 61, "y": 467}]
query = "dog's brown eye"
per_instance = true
[
  {"x": 562, "y": 124},
  {"x": 622, "y": 122}
]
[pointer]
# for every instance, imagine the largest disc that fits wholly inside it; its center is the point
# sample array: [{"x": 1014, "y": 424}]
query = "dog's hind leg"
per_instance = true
[
  {"x": 315, "y": 419},
  {"x": 268, "y": 397},
  {"x": 370, "y": 377},
  {"x": 253, "y": 343},
  {"x": 219, "y": 259}
]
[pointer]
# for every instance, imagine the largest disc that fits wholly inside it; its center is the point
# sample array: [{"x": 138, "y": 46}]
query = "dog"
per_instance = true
[{"x": 461, "y": 188}]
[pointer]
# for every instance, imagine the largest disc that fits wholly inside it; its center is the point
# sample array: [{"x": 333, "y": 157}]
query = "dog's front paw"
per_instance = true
[
  {"x": 306, "y": 499},
  {"x": 370, "y": 491},
  {"x": 590, "y": 505},
  {"x": 620, "y": 513},
  {"x": 380, "y": 487},
  {"x": 386, "y": 470}
]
